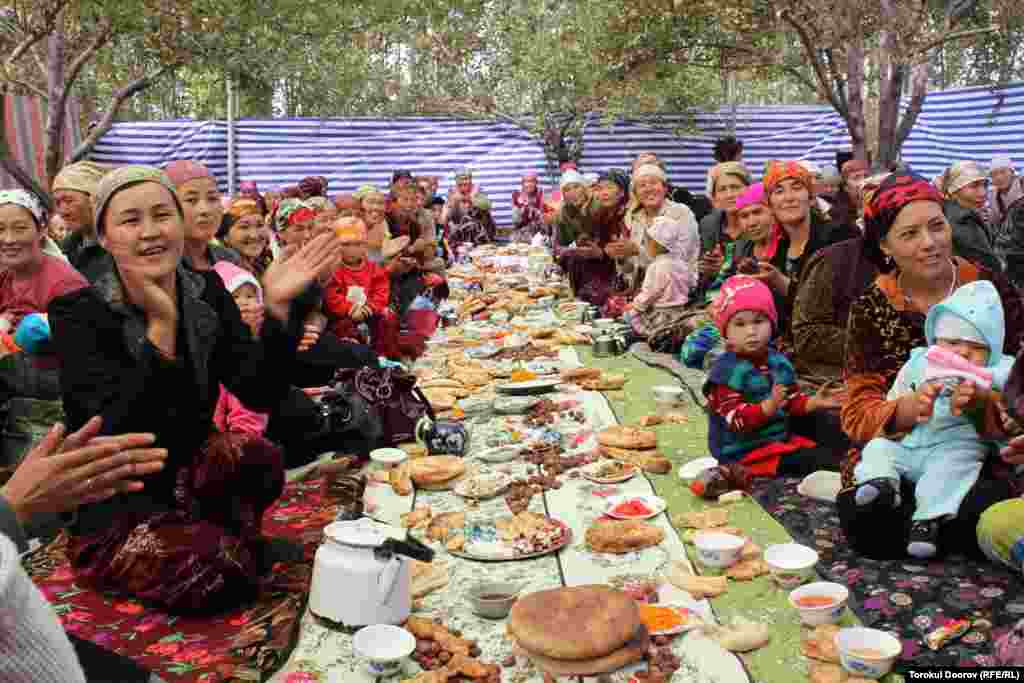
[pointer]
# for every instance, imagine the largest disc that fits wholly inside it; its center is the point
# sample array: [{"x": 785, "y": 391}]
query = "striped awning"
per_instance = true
[
  {"x": 974, "y": 123},
  {"x": 25, "y": 125}
]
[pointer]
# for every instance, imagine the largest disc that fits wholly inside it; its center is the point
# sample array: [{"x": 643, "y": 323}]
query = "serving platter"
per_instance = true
[{"x": 565, "y": 540}]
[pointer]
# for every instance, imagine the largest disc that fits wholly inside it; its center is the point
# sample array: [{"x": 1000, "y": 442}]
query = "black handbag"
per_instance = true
[{"x": 382, "y": 404}]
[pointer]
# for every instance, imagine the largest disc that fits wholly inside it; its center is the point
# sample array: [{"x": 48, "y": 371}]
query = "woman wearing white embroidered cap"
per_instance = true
[
  {"x": 1006, "y": 189},
  {"x": 649, "y": 190}
]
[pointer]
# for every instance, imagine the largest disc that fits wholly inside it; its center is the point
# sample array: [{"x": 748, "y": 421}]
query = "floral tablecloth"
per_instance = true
[{"x": 325, "y": 653}]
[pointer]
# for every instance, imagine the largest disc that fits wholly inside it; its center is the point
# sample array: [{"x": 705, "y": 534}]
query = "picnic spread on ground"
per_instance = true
[{"x": 557, "y": 518}]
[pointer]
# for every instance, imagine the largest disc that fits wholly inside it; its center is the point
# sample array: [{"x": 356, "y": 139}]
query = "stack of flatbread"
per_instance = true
[
  {"x": 633, "y": 445},
  {"x": 578, "y": 631}
]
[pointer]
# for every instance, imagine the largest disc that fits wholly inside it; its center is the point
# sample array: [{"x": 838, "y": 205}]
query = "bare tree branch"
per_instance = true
[
  {"x": 105, "y": 124},
  {"x": 98, "y": 41},
  {"x": 918, "y": 91},
  {"x": 808, "y": 43},
  {"x": 950, "y": 37}
]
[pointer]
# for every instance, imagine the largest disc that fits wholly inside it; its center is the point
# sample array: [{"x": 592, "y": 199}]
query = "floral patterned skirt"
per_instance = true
[{"x": 202, "y": 554}]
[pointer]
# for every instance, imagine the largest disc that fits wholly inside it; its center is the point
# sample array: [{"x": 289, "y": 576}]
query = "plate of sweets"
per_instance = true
[{"x": 634, "y": 507}]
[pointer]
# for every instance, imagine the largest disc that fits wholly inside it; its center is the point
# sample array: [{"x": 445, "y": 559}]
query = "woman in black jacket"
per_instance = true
[{"x": 147, "y": 349}]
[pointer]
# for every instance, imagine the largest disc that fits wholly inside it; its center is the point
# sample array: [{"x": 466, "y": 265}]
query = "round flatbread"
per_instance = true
[
  {"x": 440, "y": 399},
  {"x": 577, "y": 623},
  {"x": 618, "y": 536},
  {"x": 436, "y": 469},
  {"x": 621, "y": 436},
  {"x": 631, "y": 653}
]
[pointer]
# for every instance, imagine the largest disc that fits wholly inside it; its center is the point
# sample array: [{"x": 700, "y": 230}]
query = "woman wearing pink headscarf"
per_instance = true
[{"x": 528, "y": 209}]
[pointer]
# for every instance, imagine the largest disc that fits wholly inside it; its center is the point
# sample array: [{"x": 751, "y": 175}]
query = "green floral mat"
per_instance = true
[{"x": 759, "y": 600}]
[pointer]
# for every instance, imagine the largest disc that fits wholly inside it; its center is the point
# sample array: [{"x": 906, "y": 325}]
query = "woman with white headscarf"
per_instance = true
[
  {"x": 661, "y": 302},
  {"x": 964, "y": 185},
  {"x": 649, "y": 190}
]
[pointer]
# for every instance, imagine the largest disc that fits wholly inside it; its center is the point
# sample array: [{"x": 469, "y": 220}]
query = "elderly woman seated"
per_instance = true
[
  {"x": 29, "y": 281},
  {"x": 587, "y": 222},
  {"x": 965, "y": 185},
  {"x": 148, "y": 355}
]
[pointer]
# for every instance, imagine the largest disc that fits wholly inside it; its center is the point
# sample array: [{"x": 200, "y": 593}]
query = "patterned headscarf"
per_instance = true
[
  {"x": 81, "y": 176},
  {"x": 365, "y": 190},
  {"x": 617, "y": 176},
  {"x": 301, "y": 215},
  {"x": 243, "y": 207},
  {"x": 733, "y": 168},
  {"x": 882, "y": 203},
  {"x": 464, "y": 174},
  {"x": 126, "y": 176},
  {"x": 184, "y": 170},
  {"x": 318, "y": 204},
  {"x": 959, "y": 175},
  {"x": 25, "y": 200},
  {"x": 787, "y": 170},
  {"x": 313, "y": 186},
  {"x": 285, "y": 209},
  {"x": 481, "y": 201}
]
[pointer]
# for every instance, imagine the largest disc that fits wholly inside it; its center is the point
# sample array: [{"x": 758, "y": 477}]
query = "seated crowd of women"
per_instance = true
[{"x": 177, "y": 336}]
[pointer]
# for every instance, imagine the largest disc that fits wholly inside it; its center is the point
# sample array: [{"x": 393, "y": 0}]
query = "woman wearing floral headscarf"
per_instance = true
[
  {"x": 528, "y": 209},
  {"x": 909, "y": 239},
  {"x": 29, "y": 281},
  {"x": 245, "y": 232},
  {"x": 965, "y": 185},
  {"x": 373, "y": 208}
]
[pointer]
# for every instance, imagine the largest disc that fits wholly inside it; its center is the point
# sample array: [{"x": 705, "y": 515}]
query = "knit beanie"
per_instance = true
[
  {"x": 234, "y": 277},
  {"x": 571, "y": 177},
  {"x": 33, "y": 645},
  {"x": 743, "y": 293}
]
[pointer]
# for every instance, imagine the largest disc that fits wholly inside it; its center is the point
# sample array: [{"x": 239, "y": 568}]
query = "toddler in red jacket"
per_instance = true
[{"x": 356, "y": 298}]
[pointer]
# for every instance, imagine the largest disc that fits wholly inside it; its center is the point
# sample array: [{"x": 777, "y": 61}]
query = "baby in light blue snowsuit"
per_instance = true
[{"x": 943, "y": 456}]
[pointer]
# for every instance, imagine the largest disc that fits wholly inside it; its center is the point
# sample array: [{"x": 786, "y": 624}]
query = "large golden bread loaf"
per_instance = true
[
  {"x": 620, "y": 536},
  {"x": 577, "y": 623},
  {"x": 435, "y": 469}
]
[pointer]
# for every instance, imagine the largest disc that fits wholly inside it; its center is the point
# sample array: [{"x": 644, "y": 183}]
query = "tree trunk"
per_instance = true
[
  {"x": 855, "y": 97},
  {"x": 56, "y": 103},
  {"x": 918, "y": 90}
]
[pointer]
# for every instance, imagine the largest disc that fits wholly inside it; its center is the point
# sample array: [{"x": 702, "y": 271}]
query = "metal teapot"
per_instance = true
[{"x": 609, "y": 345}]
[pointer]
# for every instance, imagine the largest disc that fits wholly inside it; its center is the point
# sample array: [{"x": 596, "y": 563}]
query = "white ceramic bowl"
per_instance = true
[
  {"x": 715, "y": 549},
  {"x": 855, "y": 644},
  {"x": 668, "y": 393},
  {"x": 816, "y": 615},
  {"x": 388, "y": 456},
  {"x": 383, "y": 647},
  {"x": 790, "y": 564}
]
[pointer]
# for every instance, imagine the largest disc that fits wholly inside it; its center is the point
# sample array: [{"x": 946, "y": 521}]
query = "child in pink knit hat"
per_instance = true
[{"x": 752, "y": 390}]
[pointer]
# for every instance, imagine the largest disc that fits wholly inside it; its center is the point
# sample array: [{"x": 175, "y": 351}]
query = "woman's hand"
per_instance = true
[
  {"x": 622, "y": 249},
  {"x": 60, "y": 474},
  {"x": 360, "y": 313},
  {"x": 711, "y": 262},
  {"x": 825, "y": 399},
  {"x": 966, "y": 396},
  {"x": 290, "y": 275},
  {"x": 312, "y": 328},
  {"x": 158, "y": 304},
  {"x": 590, "y": 250},
  {"x": 771, "y": 276}
]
